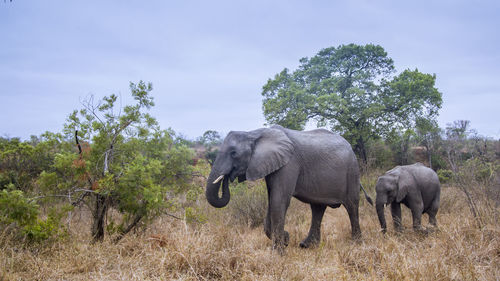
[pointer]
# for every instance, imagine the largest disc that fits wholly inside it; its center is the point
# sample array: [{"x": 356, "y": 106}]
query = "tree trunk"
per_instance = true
[
  {"x": 98, "y": 214},
  {"x": 405, "y": 146},
  {"x": 101, "y": 202},
  {"x": 361, "y": 150}
]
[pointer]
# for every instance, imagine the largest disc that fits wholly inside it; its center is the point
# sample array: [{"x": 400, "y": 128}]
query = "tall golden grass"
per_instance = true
[{"x": 170, "y": 249}]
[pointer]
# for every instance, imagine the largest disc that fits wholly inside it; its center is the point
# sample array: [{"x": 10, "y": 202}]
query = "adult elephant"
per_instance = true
[
  {"x": 416, "y": 186},
  {"x": 316, "y": 167}
]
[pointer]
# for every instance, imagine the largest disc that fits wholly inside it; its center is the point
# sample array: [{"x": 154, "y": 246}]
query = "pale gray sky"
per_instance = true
[{"x": 208, "y": 60}]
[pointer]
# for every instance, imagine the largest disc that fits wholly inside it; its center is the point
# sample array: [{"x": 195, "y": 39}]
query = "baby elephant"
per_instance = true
[{"x": 416, "y": 186}]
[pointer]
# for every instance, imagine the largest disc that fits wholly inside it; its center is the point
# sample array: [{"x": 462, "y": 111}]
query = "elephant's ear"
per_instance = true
[
  {"x": 272, "y": 150},
  {"x": 404, "y": 183}
]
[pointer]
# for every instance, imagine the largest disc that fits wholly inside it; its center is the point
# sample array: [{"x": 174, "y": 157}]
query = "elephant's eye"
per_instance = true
[{"x": 233, "y": 154}]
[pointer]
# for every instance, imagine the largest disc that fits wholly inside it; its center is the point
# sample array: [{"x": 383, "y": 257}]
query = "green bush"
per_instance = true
[
  {"x": 444, "y": 175},
  {"x": 21, "y": 215},
  {"x": 22, "y": 161},
  {"x": 125, "y": 163},
  {"x": 248, "y": 205},
  {"x": 42, "y": 230},
  {"x": 194, "y": 214},
  {"x": 438, "y": 161},
  {"x": 16, "y": 209}
]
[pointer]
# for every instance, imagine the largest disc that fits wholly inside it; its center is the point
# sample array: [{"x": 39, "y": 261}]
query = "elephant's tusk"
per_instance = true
[{"x": 218, "y": 179}]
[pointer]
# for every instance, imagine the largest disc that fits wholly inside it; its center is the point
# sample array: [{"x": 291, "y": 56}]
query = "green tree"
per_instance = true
[
  {"x": 429, "y": 135},
  {"x": 400, "y": 142},
  {"x": 125, "y": 162},
  {"x": 211, "y": 140},
  {"x": 350, "y": 89}
]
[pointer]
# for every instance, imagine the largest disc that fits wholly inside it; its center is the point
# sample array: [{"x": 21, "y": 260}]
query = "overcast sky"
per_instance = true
[{"x": 208, "y": 60}]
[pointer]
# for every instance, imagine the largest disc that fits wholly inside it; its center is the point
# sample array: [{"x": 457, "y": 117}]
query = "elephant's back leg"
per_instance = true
[
  {"x": 432, "y": 211},
  {"x": 417, "y": 209},
  {"x": 352, "y": 211},
  {"x": 351, "y": 202},
  {"x": 317, "y": 210}
]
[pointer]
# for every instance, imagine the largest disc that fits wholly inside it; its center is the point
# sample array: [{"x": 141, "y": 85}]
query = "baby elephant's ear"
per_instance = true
[
  {"x": 272, "y": 150},
  {"x": 405, "y": 182}
]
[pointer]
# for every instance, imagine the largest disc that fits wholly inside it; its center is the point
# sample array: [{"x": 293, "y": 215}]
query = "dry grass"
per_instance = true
[{"x": 171, "y": 250}]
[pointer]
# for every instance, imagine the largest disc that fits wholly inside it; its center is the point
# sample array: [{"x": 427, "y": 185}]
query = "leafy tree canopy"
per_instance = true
[{"x": 350, "y": 89}]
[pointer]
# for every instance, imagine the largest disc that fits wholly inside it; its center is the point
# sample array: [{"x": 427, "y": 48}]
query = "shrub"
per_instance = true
[
  {"x": 21, "y": 215},
  {"x": 42, "y": 230},
  {"x": 125, "y": 162},
  {"x": 16, "y": 209},
  {"x": 438, "y": 161},
  {"x": 248, "y": 204},
  {"x": 479, "y": 182},
  {"x": 444, "y": 175},
  {"x": 194, "y": 215}
]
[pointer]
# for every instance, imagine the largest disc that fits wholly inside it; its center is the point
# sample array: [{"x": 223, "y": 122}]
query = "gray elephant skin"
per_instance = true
[
  {"x": 416, "y": 186},
  {"x": 316, "y": 167}
]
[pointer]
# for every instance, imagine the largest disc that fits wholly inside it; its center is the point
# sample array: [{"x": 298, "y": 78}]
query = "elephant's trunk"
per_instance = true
[
  {"x": 380, "y": 212},
  {"x": 212, "y": 191}
]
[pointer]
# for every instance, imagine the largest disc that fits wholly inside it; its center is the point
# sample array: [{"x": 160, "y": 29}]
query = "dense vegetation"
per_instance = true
[
  {"x": 113, "y": 173},
  {"x": 106, "y": 158}
]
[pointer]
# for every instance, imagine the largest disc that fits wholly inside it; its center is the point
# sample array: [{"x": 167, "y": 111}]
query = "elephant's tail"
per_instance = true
[{"x": 366, "y": 195}]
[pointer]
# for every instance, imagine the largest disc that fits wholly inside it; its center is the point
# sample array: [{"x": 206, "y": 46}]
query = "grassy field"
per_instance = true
[{"x": 221, "y": 249}]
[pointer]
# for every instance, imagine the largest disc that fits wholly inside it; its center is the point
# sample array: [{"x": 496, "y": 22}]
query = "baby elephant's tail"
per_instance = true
[{"x": 366, "y": 195}]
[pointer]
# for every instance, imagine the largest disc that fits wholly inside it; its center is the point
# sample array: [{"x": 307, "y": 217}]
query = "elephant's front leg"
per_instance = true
[
  {"x": 280, "y": 190},
  {"x": 269, "y": 232},
  {"x": 267, "y": 222},
  {"x": 277, "y": 211},
  {"x": 315, "y": 231},
  {"x": 396, "y": 216},
  {"x": 280, "y": 187}
]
